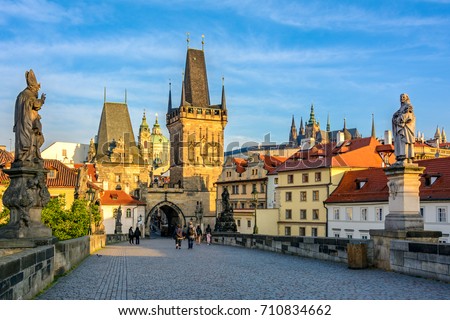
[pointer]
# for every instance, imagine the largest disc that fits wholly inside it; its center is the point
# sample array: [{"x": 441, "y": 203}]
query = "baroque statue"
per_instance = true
[
  {"x": 27, "y": 192},
  {"x": 403, "y": 129},
  {"x": 27, "y": 123}
]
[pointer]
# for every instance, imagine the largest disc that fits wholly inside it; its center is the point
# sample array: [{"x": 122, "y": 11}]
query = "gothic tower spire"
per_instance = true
[
  {"x": 224, "y": 102},
  {"x": 293, "y": 133},
  {"x": 312, "y": 119},
  {"x": 169, "y": 103},
  {"x": 301, "y": 131}
]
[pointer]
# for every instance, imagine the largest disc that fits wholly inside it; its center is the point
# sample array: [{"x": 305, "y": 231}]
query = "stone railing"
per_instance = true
[
  {"x": 331, "y": 249},
  {"x": 26, "y": 272},
  {"x": 427, "y": 260}
]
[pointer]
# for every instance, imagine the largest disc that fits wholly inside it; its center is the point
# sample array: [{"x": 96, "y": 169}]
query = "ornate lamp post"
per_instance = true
[
  {"x": 255, "y": 203},
  {"x": 90, "y": 194}
]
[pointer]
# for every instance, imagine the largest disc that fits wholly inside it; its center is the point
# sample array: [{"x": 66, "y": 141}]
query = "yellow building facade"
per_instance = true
[{"x": 307, "y": 179}]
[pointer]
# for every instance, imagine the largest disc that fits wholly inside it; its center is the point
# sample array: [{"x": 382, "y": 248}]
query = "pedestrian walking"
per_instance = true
[
  {"x": 178, "y": 237},
  {"x": 191, "y": 235},
  {"x": 131, "y": 235},
  {"x": 137, "y": 235},
  {"x": 208, "y": 235},
  {"x": 199, "y": 234}
]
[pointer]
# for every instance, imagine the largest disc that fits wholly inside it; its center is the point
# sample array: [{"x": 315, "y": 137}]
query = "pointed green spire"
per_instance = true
[
  {"x": 312, "y": 119},
  {"x": 328, "y": 123}
]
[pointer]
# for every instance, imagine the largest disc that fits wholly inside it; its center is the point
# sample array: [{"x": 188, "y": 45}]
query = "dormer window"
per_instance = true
[
  {"x": 360, "y": 182},
  {"x": 430, "y": 178},
  {"x": 52, "y": 174}
]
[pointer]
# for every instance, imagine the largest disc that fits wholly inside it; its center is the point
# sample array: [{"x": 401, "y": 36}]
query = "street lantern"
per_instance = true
[{"x": 255, "y": 204}]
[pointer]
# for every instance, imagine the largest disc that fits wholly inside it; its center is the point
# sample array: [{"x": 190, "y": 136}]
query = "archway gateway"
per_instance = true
[{"x": 163, "y": 218}]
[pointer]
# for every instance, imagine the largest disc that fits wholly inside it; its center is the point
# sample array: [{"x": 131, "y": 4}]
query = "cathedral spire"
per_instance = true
[
  {"x": 373, "y": 127},
  {"x": 312, "y": 119},
  {"x": 293, "y": 133},
  {"x": 301, "y": 131},
  {"x": 444, "y": 136},
  {"x": 328, "y": 123}
]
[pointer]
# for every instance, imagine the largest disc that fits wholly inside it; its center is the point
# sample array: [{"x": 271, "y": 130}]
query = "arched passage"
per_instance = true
[{"x": 163, "y": 218}]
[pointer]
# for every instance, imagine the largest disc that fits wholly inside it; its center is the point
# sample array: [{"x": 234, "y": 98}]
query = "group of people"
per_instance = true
[
  {"x": 134, "y": 236},
  {"x": 192, "y": 234}
]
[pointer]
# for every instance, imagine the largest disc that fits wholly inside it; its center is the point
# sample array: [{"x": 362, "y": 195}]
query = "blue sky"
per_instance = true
[{"x": 349, "y": 58}]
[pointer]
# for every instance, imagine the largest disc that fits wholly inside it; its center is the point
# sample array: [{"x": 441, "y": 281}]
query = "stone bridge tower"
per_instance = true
[{"x": 196, "y": 131}]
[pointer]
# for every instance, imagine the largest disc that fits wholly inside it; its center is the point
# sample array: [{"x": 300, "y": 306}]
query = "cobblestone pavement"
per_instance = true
[{"x": 156, "y": 270}]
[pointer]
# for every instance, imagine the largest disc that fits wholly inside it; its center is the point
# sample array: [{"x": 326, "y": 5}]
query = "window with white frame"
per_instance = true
[
  {"x": 364, "y": 214},
  {"x": 379, "y": 214},
  {"x": 302, "y": 195},
  {"x": 336, "y": 213},
  {"x": 314, "y": 232},
  {"x": 305, "y": 178},
  {"x": 128, "y": 213},
  {"x": 364, "y": 236},
  {"x": 441, "y": 214},
  {"x": 318, "y": 176},
  {"x": 349, "y": 213}
]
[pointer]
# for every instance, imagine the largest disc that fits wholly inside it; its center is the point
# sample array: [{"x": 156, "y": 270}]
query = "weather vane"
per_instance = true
[{"x": 187, "y": 39}]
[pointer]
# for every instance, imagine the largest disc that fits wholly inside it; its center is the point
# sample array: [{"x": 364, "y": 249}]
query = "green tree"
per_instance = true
[
  {"x": 66, "y": 224},
  {"x": 4, "y": 216}
]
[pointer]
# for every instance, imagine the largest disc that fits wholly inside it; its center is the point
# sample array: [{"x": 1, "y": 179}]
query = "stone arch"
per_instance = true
[{"x": 164, "y": 216}]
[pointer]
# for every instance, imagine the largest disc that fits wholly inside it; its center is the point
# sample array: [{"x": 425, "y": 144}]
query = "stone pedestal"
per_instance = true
[
  {"x": 25, "y": 197},
  {"x": 225, "y": 223},
  {"x": 404, "y": 200},
  {"x": 404, "y": 221}
]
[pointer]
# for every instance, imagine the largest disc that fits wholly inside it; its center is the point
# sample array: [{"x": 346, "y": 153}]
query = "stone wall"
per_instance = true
[
  {"x": 24, "y": 274},
  {"x": 69, "y": 253},
  {"x": 331, "y": 249},
  {"x": 428, "y": 260}
]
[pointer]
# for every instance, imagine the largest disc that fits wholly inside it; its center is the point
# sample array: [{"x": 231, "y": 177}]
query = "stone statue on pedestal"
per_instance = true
[
  {"x": 403, "y": 129},
  {"x": 27, "y": 122},
  {"x": 225, "y": 222},
  {"x": 27, "y": 192}
]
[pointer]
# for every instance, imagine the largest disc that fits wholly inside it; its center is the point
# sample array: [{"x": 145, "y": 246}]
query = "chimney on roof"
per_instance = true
[
  {"x": 387, "y": 137},
  {"x": 340, "y": 138}
]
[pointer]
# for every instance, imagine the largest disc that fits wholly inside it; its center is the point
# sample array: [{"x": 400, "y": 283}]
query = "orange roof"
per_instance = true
[
  {"x": 5, "y": 157},
  {"x": 64, "y": 178},
  {"x": 375, "y": 188},
  {"x": 119, "y": 197},
  {"x": 241, "y": 164},
  {"x": 271, "y": 162},
  {"x": 360, "y": 152},
  {"x": 91, "y": 170}
]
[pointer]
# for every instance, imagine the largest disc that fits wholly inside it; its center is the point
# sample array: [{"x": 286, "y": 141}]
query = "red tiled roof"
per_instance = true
[
  {"x": 64, "y": 178},
  {"x": 91, "y": 170},
  {"x": 351, "y": 153},
  {"x": 241, "y": 164},
  {"x": 118, "y": 197},
  {"x": 271, "y": 162},
  {"x": 375, "y": 189},
  {"x": 5, "y": 157}
]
